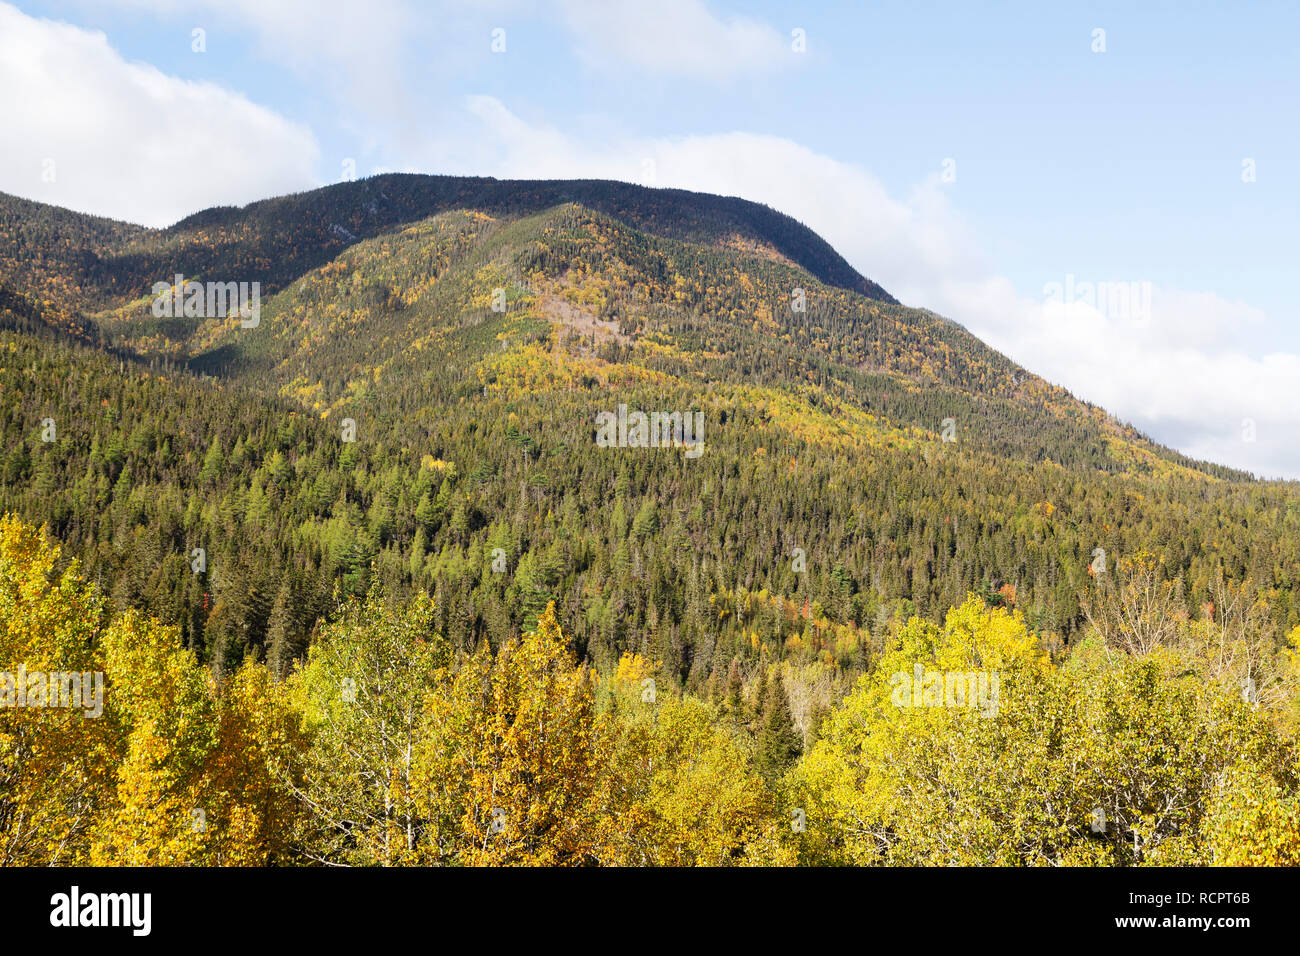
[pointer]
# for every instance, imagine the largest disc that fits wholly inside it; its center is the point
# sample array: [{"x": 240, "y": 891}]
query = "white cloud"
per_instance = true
[
  {"x": 678, "y": 37},
  {"x": 357, "y": 51},
  {"x": 1190, "y": 375},
  {"x": 1186, "y": 375},
  {"x": 366, "y": 52},
  {"x": 128, "y": 141}
]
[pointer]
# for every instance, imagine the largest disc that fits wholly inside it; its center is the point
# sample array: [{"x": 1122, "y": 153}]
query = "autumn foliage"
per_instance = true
[{"x": 388, "y": 748}]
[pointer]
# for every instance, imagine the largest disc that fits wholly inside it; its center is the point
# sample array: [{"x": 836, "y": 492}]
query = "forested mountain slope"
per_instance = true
[
  {"x": 861, "y": 460},
  {"x": 386, "y": 311},
  {"x": 394, "y": 484}
]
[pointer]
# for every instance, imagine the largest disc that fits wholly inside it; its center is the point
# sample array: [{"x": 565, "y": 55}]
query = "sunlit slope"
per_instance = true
[
  {"x": 570, "y": 298},
  {"x": 900, "y": 460}
]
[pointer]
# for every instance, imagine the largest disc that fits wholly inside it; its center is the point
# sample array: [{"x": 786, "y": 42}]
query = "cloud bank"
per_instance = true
[{"x": 90, "y": 131}]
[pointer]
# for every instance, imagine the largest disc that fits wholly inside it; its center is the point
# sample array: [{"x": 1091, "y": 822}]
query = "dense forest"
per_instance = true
[
  {"x": 385, "y": 505},
  {"x": 390, "y": 747}
]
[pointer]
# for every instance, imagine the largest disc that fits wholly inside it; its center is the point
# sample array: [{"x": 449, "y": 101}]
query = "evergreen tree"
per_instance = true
[{"x": 778, "y": 742}]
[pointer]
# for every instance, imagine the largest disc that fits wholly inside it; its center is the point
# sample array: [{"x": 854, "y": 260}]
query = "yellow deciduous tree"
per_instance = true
[
  {"x": 55, "y": 762},
  {"x": 512, "y": 756},
  {"x": 1106, "y": 760},
  {"x": 200, "y": 782},
  {"x": 361, "y": 696},
  {"x": 680, "y": 790},
  {"x": 1252, "y": 821}
]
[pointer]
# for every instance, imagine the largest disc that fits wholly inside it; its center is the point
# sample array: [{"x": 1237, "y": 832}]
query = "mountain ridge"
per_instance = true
[{"x": 336, "y": 214}]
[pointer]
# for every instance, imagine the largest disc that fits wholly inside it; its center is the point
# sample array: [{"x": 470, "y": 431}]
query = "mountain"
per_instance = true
[
  {"x": 861, "y": 460},
  {"x": 276, "y": 240}
]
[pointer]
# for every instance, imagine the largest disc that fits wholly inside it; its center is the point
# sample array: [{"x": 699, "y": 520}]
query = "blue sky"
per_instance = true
[{"x": 1122, "y": 165}]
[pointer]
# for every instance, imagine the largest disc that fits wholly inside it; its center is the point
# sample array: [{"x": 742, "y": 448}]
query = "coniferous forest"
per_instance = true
[{"x": 369, "y": 578}]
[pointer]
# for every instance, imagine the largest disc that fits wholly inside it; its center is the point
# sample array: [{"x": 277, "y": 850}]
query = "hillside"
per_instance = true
[
  {"x": 350, "y": 562},
  {"x": 475, "y": 431}
]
